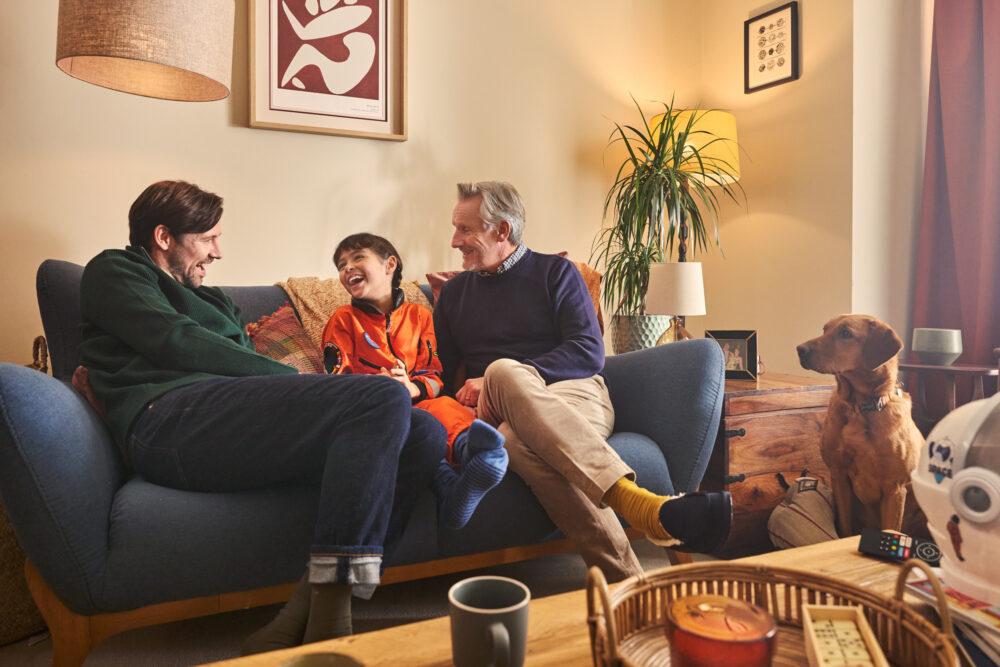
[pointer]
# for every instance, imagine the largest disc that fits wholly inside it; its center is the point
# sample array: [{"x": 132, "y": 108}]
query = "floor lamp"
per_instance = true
[{"x": 677, "y": 288}]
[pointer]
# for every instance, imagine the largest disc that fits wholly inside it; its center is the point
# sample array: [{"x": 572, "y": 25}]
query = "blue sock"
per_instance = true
[
  {"x": 484, "y": 463},
  {"x": 443, "y": 481},
  {"x": 479, "y": 437}
]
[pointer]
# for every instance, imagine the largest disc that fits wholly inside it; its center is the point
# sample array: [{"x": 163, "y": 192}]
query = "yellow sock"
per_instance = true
[{"x": 641, "y": 508}]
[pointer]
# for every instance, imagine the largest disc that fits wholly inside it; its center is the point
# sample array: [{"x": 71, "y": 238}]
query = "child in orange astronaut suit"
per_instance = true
[{"x": 380, "y": 333}]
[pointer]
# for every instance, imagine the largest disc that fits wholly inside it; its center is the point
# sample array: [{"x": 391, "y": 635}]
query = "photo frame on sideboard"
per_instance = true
[
  {"x": 339, "y": 71},
  {"x": 771, "y": 48},
  {"x": 739, "y": 347}
]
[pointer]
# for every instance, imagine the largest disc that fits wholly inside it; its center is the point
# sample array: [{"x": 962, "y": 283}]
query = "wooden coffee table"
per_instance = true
[{"x": 557, "y": 631}]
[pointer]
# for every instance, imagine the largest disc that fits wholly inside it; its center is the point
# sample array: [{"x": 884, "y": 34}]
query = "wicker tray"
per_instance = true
[{"x": 635, "y": 635}]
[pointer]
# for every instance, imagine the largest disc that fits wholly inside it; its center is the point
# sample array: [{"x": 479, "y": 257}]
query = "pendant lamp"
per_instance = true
[{"x": 169, "y": 49}]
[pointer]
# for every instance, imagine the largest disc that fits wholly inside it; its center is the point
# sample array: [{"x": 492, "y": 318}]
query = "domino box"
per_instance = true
[{"x": 837, "y": 636}]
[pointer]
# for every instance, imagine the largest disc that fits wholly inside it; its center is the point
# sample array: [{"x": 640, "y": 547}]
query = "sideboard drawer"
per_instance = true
[{"x": 769, "y": 442}]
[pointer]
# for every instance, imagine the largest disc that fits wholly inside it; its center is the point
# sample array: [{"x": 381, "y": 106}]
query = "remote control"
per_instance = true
[{"x": 897, "y": 546}]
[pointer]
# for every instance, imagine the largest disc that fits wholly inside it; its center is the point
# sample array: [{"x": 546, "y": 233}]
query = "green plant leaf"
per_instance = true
[{"x": 652, "y": 196}]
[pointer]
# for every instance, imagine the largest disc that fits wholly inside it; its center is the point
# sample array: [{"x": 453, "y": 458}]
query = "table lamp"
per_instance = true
[
  {"x": 675, "y": 288},
  {"x": 174, "y": 50}
]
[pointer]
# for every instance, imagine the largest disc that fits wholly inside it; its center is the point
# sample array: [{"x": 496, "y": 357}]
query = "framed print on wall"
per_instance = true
[
  {"x": 771, "y": 48},
  {"x": 329, "y": 67},
  {"x": 739, "y": 348}
]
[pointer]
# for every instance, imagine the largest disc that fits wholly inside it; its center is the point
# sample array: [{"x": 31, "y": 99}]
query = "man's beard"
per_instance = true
[{"x": 186, "y": 278}]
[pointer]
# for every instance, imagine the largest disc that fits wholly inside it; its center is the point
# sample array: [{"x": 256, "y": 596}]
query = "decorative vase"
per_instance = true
[
  {"x": 937, "y": 347},
  {"x": 637, "y": 332}
]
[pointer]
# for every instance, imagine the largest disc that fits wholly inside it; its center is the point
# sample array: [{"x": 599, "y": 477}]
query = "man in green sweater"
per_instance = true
[{"x": 195, "y": 407}]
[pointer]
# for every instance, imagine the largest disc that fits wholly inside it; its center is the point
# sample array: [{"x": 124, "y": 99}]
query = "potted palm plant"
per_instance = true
[{"x": 667, "y": 189}]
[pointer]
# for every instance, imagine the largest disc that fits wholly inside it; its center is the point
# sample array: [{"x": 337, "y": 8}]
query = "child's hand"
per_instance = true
[{"x": 399, "y": 373}]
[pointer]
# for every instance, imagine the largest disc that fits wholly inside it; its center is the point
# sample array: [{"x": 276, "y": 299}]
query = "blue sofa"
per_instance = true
[{"x": 108, "y": 551}]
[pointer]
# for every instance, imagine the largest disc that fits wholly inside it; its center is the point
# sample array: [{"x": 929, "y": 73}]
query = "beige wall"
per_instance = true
[
  {"x": 522, "y": 90},
  {"x": 890, "y": 121},
  {"x": 787, "y": 265}
]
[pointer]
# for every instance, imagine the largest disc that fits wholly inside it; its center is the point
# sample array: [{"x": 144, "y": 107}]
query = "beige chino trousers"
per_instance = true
[{"x": 556, "y": 440}]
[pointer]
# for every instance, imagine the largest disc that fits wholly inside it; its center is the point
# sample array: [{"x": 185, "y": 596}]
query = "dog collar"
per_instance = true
[{"x": 878, "y": 403}]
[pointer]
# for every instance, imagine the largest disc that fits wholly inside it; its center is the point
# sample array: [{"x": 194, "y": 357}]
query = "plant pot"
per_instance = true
[{"x": 637, "y": 332}]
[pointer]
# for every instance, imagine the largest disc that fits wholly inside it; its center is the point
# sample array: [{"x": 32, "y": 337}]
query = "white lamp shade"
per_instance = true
[
  {"x": 170, "y": 49},
  {"x": 675, "y": 288}
]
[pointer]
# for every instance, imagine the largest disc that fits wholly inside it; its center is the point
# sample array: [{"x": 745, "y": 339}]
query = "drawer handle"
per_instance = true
[
  {"x": 730, "y": 479},
  {"x": 736, "y": 433}
]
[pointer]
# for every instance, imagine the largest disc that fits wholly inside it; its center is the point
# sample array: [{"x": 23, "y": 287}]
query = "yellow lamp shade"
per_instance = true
[
  {"x": 713, "y": 134},
  {"x": 169, "y": 49}
]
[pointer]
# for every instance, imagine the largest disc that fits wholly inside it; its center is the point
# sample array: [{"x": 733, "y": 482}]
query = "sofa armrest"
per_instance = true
[
  {"x": 672, "y": 394},
  {"x": 59, "y": 471}
]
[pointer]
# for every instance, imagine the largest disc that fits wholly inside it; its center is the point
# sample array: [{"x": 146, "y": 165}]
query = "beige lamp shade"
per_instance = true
[
  {"x": 170, "y": 49},
  {"x": 714, "y": 135},
  {"x": 675, "y": 288}
]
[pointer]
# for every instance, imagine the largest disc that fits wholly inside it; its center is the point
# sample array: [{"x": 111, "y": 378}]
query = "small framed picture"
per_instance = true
[
  {"x": 739, "y": 347},
  {"x": 771, "y": 48}
]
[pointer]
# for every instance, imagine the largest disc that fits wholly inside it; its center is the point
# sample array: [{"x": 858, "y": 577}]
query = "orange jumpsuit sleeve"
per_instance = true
[
  {"x": 426, "y": 370},
  {"x": 338, "y": 342}
]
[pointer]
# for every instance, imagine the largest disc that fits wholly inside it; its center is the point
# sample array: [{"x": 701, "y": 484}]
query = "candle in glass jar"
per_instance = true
[{"x": 709, "y": 630}]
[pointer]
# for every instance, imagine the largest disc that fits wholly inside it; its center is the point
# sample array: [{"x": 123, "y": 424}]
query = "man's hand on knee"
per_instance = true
[{"x": 469, "y": 393}]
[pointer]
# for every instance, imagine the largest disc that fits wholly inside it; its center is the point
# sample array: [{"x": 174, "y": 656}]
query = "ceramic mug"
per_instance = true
[{"x": 489, "y": 621}]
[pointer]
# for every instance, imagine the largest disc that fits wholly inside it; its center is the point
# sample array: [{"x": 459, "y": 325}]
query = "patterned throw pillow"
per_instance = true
[
  {"x": 280, "y": 336},
  {"x": 81, "y": 382}
]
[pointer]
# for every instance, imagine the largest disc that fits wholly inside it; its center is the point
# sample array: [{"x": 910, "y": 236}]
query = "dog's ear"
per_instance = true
[{"x": 881, "y": 345}]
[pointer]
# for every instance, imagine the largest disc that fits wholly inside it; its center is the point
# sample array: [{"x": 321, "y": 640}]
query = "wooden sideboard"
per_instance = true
[{"x": 768, "y": 427}]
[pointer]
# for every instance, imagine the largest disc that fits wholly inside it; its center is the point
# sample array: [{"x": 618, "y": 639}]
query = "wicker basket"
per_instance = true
[{"x": 635, "y": 636}]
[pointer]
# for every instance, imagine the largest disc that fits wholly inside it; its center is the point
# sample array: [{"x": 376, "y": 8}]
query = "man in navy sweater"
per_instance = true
[{"x": 525, "y": 327}]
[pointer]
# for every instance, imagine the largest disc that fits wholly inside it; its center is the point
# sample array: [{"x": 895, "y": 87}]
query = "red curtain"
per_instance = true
[{"x": 958, "y": 260}]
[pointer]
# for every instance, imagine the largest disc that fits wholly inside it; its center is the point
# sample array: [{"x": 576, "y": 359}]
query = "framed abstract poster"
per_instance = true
[
  {"x": 329, "y": 66},
  {"x": 771, "y": 48}
]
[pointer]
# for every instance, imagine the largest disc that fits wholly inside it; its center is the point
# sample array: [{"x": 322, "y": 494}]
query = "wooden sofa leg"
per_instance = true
[{"x": 71, "y": 641}]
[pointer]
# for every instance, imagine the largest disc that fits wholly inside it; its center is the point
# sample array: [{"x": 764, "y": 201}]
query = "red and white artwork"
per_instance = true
[{"x": 328, "y": 57}]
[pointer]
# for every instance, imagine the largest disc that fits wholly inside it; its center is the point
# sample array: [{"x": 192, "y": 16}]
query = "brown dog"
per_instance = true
[{"x": 869, "y": 441}]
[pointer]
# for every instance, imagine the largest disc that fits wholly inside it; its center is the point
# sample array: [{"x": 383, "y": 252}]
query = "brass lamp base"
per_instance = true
[{"x": 675, "y": 332}]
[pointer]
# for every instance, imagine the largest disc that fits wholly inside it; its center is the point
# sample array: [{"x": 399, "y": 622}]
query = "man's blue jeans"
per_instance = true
[{"x": 356, "y": 436}]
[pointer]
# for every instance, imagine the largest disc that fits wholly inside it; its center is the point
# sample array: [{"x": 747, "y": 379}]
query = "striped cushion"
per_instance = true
[{"x": 280, "y": 336}]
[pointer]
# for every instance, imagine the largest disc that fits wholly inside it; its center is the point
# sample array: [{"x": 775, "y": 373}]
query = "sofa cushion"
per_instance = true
[
  {"x": 166, "y": 544},
  {"x": 281, "y": 337},
  {"x": 194, "y": 544},
  {"x": 509, "y": 515},
  {"x": 57, "y": 285}
]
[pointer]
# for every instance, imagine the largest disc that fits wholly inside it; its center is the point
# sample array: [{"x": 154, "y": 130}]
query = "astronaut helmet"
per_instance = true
[{"x": 957, "y": 485}]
